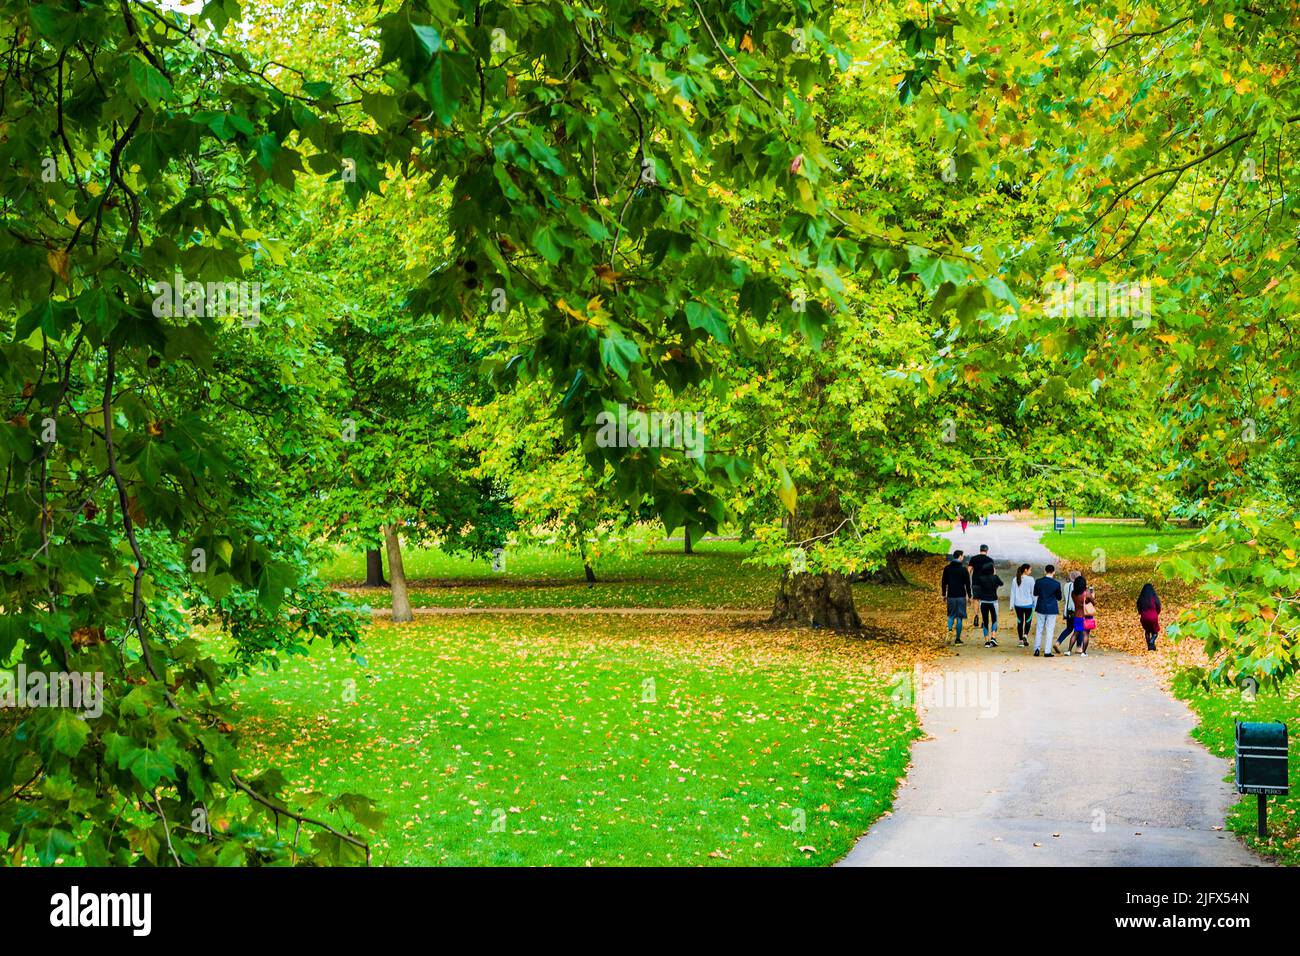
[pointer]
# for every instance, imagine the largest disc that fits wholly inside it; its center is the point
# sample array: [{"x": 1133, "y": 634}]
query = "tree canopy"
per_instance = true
[{"x": 284, "y": 275}]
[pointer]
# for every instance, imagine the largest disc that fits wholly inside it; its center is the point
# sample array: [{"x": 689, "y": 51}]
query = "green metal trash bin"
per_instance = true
[
  {"x": 1262, "y": 758},
  {"x": 1262, "y": 764}
]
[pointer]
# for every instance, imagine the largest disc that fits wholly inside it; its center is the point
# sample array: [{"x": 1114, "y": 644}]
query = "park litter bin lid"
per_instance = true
[{"x": 1271, "y": 735}]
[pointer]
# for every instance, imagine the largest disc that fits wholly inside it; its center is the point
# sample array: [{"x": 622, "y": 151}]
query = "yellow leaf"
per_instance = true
[
  {"x": 786, "y": 492},
  {"x": 1228, "y": 20},
  {"x": 569, "y": 310},
  {"x": 607, "y": 274},
  {"x": 60, "y": 263}
]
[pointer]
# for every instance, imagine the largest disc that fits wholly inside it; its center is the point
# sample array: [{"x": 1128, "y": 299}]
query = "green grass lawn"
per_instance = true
[
  {"x": 547, "y": 741},
  {"x": 1117, "y": 540},
  {"x": 645, "y": 575},
  {"x": 648, "y": 573},
  {"x": 1218, "y": 710}
]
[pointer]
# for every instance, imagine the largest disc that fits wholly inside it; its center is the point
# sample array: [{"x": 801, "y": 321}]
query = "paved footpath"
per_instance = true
[{"x": 1070, "y": 761}]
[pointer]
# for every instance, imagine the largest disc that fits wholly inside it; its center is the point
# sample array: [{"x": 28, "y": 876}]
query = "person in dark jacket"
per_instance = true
[
  {"x": 980, "y": 563},
  {"x": 1148, "y": 605},
  {"x": 1047, "y": 604},
  {"x": 954, "y": 585},
  {"x": 985, "y": 587}
]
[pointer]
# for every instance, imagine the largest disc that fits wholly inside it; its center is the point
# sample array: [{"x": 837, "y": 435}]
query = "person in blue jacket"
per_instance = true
[{"x": 1047, "y": 604}]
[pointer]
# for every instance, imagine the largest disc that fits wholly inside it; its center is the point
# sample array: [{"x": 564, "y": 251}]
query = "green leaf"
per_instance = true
[
  {"x": 226, "y": 126},
  {"x": 13, "y": 629},
  {"x": 150, "y": 84},
  {"x": 705, "y": 317},
  {"x": 69, "y": 733},
  {"x": 617, "y": 353},
  {"x": 546, "y": 241},
  {"x": 51, "y": 844},
  {"x": 149, "y": 766}
]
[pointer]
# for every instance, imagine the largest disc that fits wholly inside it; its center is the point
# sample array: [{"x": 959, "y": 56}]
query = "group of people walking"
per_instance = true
[{"x": 1037, "y": 603}]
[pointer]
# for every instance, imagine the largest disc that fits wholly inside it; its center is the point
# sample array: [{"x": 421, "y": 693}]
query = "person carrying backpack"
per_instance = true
[{"x": 985, "y": 586}]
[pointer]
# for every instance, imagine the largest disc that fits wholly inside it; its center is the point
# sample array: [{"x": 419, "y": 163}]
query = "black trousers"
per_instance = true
[{"x": 1023, "y": 616}]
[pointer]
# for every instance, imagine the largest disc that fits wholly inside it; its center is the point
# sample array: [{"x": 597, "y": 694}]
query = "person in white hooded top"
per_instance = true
[{"x": 1022, "y": 599}]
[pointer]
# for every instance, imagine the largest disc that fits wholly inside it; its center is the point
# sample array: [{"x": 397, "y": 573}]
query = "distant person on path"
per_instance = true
[
  {"x": 1086, "y": 623},
  {"x": 963, "y": 524},
  {"x": 954, "y": 585},
  {"x": 1022, "y": 599},
  {"x": 985, "y": 586},
  {"x": 1148, "y": 605},
  {"x": 1079, "y": 592},
  {"x": 1047, "y": 604},
  {"x": 1067, "y": 609}
]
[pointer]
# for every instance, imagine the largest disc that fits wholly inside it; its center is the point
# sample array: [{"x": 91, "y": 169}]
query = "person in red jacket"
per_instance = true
[{"x": 1148, "y": 605}]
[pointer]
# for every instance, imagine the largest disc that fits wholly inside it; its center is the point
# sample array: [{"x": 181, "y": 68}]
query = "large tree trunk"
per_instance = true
[
  {"x": 686, "y": 536},
  {"x": 375, "y": 569},
  {"x": 591, "y": 574},
  {"x": 890, "y": 573},
  {"x": 396, "y": 571},
  {"x": 817, "y": 600}
]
